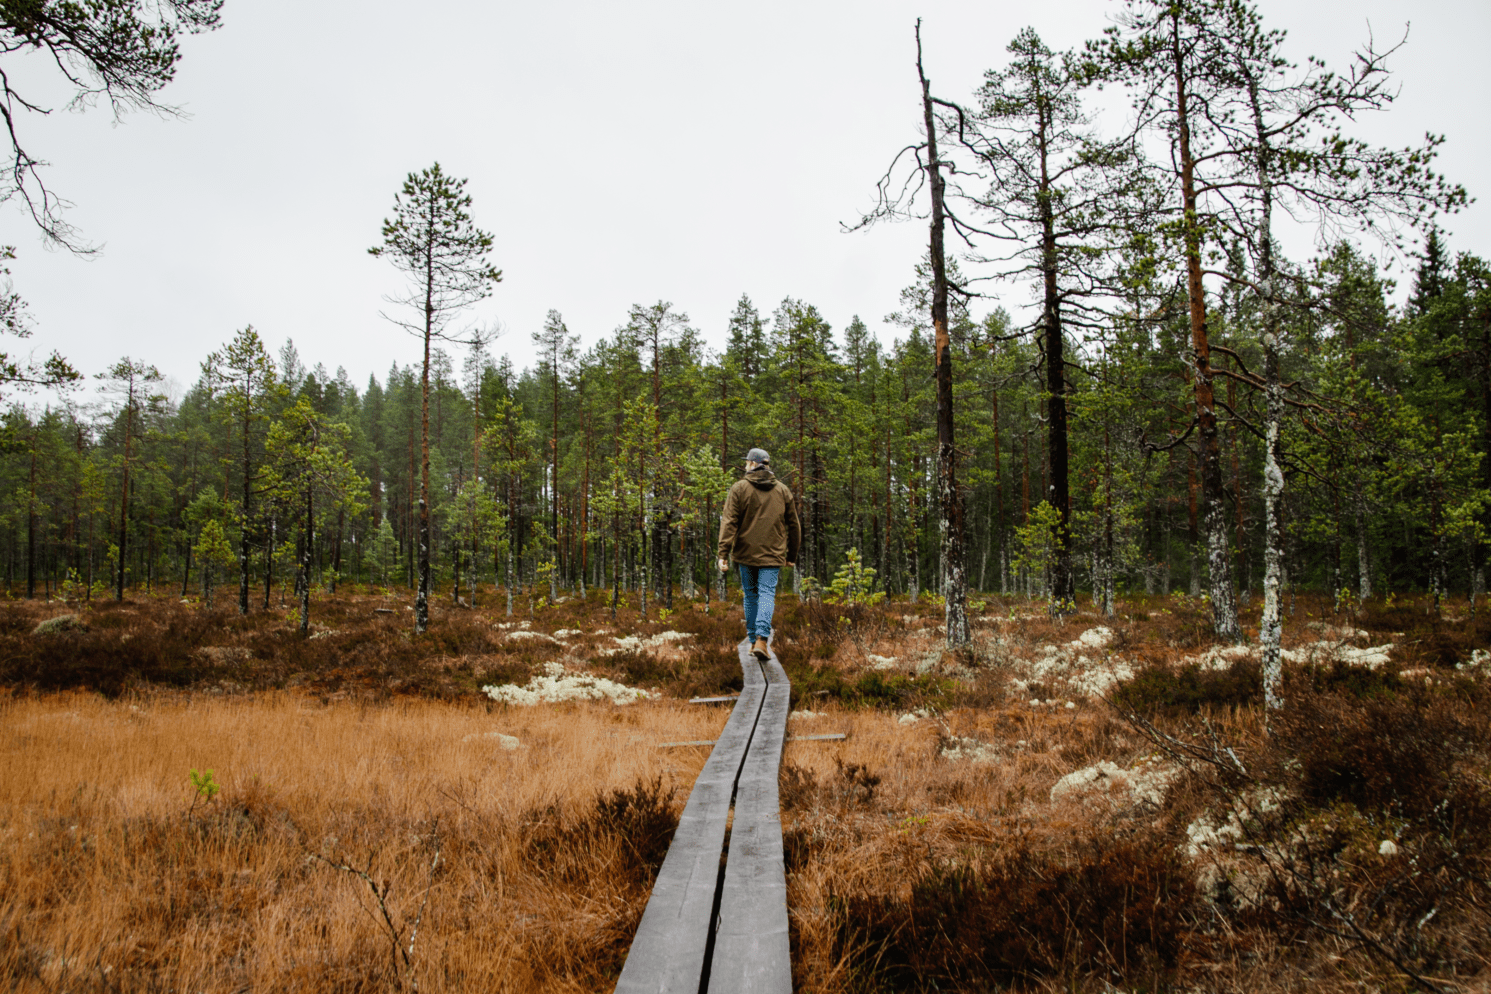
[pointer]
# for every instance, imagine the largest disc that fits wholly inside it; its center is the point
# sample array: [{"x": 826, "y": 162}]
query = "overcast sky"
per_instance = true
[{"x": 620, "y": 153}]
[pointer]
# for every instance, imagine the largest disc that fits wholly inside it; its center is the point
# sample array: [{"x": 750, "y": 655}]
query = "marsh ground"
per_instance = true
[{"x": 1080, "y": 805}]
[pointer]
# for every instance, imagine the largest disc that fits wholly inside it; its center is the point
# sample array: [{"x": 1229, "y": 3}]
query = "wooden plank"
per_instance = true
[
  {"x": 668, "y": 952},
  {"x": 713, "y": 700},
  {"x": 835, "y": 737},
  {"x": 752, "y": 949}
]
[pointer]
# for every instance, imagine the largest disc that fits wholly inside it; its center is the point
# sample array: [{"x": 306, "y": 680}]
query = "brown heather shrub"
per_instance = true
[
  {"x": 1159, "y": 689},
  {"x": 1413, "y": 760},
  {"x": 1118, "y": 907}
]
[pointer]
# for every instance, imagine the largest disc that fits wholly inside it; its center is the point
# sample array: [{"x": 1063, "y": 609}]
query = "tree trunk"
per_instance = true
[
  {"x": 336, "y": 556},
  {"x": 422, "y": 597},
  {"x": 1063, "y": 584},
  {"x": 305, "y": 564},
  {"x": 949, "y": 497},
  {"x": 271, "y": 534},
  {"x": 1363, "y": 559},
  {"x": 243, "y": 535},
  {"x": 129, "y": 416},
  {"x": 1214, "y": 516},
  {"x": 31, "y": 526},
  {"x": 1271, "y": 628}
]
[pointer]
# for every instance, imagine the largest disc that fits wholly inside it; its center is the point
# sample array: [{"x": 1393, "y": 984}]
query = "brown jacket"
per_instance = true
[{"x": 759, "y": 526}]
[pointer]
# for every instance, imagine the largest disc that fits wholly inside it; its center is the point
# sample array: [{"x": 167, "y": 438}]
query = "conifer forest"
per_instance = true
[
  {"x": 1185, "y": 402},
  {"x": 1116, "y": 438},
  {"x": 1140, "y": 603}
]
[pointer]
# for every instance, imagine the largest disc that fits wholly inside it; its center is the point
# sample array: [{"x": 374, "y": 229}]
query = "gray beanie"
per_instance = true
[{"x": 758, "y": 455}]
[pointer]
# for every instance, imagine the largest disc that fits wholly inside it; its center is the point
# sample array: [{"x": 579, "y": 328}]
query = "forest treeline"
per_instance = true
[{"x": 1118, "y": 440}]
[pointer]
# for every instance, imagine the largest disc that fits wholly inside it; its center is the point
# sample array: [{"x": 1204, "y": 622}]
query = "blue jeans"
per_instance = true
[{"x": 759, "y": 583}]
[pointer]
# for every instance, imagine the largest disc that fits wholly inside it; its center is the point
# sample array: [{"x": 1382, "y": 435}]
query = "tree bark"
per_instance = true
[
  {"x": 305, "y": 562},
  {"x": 949, "y": 497},
  {"x": 31, "y": 525},
  {"x": 1063, "y": 586},
  {"x": 1271, "y": 628},
  {"x": 1214, "y": 517},
  {"x": 243, "y": 535},
  {"x": 422, "y": 598},
  {"x": 129, "y": 416}
]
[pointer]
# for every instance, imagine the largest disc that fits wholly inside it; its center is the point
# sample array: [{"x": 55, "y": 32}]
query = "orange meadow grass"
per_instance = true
[{"x": 112, "y": 877}]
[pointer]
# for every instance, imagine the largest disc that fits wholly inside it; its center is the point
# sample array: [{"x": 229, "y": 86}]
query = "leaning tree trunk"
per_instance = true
[{"x": 949, "y": 497}]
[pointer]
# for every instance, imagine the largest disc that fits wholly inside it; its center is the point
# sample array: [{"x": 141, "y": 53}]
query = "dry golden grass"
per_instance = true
[{"x": 113, "y": 878}]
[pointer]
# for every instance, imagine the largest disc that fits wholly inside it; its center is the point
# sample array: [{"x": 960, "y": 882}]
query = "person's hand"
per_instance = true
[
  {"x": 793, "y": 565},
  {"x": 724, "y": 565}
]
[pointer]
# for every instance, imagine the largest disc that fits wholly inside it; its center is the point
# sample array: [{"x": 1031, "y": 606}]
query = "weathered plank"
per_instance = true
[
  {"x": 834, "y": 737},
  {"x": 668, "y": 953},
  {"x": 752, "y": 951}
]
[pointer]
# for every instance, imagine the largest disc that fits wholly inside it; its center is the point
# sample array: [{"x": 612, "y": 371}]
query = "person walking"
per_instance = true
[{"x": 760, "y": 532}]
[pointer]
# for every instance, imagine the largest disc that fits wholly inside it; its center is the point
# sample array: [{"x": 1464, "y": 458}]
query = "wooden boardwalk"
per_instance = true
[{"x": 717, "y": 918}]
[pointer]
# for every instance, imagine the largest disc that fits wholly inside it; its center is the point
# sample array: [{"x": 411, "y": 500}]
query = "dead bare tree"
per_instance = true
[{"x": 930, "y": 169}]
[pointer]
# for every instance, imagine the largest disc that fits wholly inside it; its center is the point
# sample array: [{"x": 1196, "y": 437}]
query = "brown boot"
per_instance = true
[{"x": 761, "y": 651}]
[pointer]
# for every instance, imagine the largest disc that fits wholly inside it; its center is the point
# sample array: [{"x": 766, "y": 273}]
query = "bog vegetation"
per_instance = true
[
  {"x": 1154, "y": 613},
  {"x": 1081, "y": 805}
]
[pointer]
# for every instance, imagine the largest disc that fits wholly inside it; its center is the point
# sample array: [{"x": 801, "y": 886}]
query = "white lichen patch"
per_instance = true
[
  {"x": 1213, "y": 839},
  {"x": 1221, "y": 657},
  {"x": 551, "y": 689},
  {"x": 1093, "y": 638},
  {"x": 972, "y": 750},
  {"x": 1479, "y": 663},
  {"x": 1371, "y": 657},
  {"x": 795, "y": 715},
  {"x": 506, "y": 742},
  {"x": 634, "y": 643},
  {"x": 529, "y": 635},
  {"x": 1098, "y": 679},
  {"x": 912, "y": 717},
  {"x": 565, "y": 633},
  {"x": 1215, "y": 831},
  {"x": 881, "y": 662},
  {"x": 1086, "y": 675},
  {"x": 1145, "y": 783}
]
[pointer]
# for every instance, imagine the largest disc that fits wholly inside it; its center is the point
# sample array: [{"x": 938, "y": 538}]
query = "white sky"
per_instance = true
[{"x": 620, "y": 154}]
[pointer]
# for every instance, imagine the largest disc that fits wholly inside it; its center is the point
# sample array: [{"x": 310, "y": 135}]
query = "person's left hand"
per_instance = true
[{"x": 724, "y": 565}]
